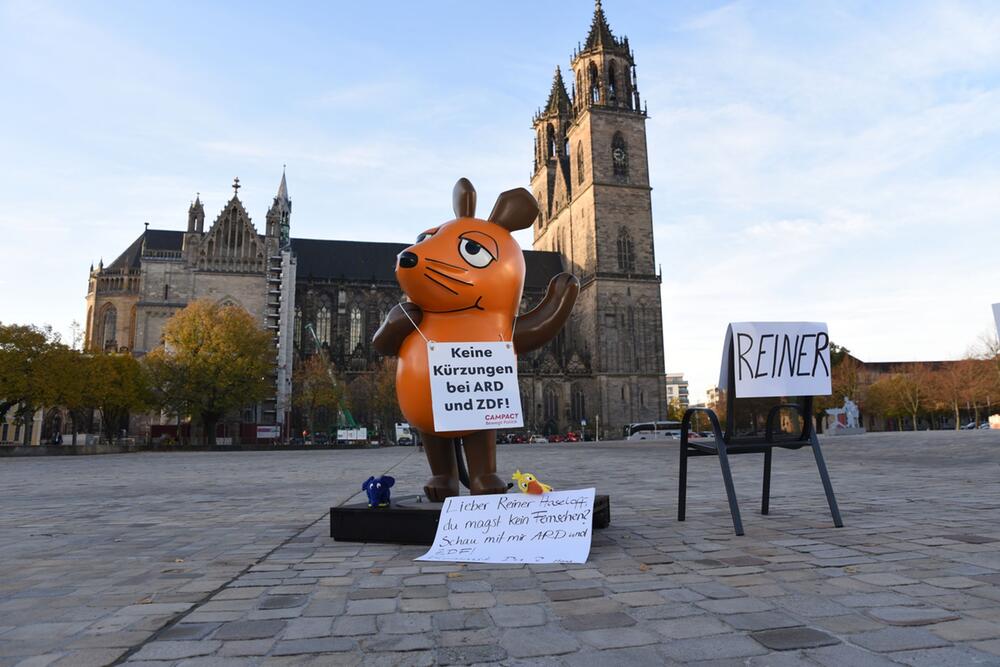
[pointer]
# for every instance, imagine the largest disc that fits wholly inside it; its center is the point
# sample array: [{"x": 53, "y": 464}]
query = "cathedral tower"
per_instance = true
[{"x": 591, "y": 180}]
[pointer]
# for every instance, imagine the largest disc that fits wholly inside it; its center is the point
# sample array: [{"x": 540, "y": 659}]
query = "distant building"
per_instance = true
[
  {"x": 677, "y": 390},
  {"x": 12, "y": 433}
]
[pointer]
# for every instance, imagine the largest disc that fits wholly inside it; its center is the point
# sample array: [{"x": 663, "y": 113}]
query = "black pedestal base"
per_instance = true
[{"x": 410, "y": 520}]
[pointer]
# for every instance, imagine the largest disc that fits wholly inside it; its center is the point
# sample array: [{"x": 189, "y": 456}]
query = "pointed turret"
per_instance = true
[
  {"x": 279, "y": 215},
  {"x": 600, "y": 36},
  {"x": 196, "y": 216},
  {"x": 558, "y": 102}
]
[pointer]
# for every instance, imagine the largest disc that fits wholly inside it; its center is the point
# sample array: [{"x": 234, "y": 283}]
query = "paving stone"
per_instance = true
[
  {"x": 518, "y": 616},
  {"x": 575, "y": 594},
  {"x": 175, "y": 650},
  {"x": 461, "y": 620},
  {"x": 282, "y": 601},
  {"x": 350, "y": 626},
  {"x": 761, "y": 620},
  {"x": 846, "y": 624},
  {"x": 247, "y": 647},
  {"x": 531, "y": 643},
  {"x": 471, "y": 600},
  {"x": 470, "y": 655},
  {"x": 372, "y": 606},
  {"x": 897, "y": 639},
  {"x": 399, "y": 623},
  {"x": 618, "y": 638},
  {"x": 734, "y": 605},
  {"x": 249, "y": 630},
  {"x": 843, "y": 655},
  {"x": 187, "y": 631},
  {"x": 691, "y": 626},
  {"x": 718, "y": 647},
  {"x": 597, "y": 621},
  {"x": 966, "y": 629},
  {"x": 911, "y": 615},
  {"x": 400, "y": 643},
  {"x": 950, "y": 656},
  {"x": 89, "y": 657},
  {"x": 786, "y": 659},
  {"x": 304, "y": 628},
  {"x": 785, "y": 639},
  {"x": 320, "y": 645},
  {"x": 633, "y": 657}
]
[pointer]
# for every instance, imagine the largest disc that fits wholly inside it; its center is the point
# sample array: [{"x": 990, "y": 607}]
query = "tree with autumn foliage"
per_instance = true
[
  {"x": 316, "y": 390},
  {"x": 215, "y": 359},
  {"x": 116, "y": 385}
]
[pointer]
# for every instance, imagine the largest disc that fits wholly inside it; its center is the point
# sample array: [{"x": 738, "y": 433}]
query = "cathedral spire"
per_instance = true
[
  {"x": 558, "y": 102},
  {"x": 600, "y": 36},
  {"x": 279, "y": 215},
  {"x": 196, "y": 216}
]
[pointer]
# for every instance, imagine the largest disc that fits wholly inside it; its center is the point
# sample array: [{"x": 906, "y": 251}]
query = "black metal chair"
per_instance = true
[{"x": 725, "y": 444}]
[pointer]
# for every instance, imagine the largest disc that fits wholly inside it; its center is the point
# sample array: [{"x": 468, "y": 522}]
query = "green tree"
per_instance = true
[
  {"x": 117, "y": 385},
  {"x": 384, "y": 404},
  {"x": 317, "y": 390},
  {"x": 215, "y": 359},
  {"x": 24, "y": 386}
]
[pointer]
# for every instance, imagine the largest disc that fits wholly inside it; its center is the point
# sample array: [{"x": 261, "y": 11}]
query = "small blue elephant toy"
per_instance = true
[{"x": 378, "y": 490}]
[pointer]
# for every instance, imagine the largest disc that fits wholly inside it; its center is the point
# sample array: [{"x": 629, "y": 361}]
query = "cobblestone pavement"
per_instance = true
[{"x": 219, "y": 559}]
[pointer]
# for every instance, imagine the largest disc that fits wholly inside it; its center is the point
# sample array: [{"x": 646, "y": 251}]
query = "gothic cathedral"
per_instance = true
[{"x": 318, "y": 296}]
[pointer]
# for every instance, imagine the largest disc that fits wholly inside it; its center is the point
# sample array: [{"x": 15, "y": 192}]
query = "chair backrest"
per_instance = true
[{"x": 775, "y": 359}]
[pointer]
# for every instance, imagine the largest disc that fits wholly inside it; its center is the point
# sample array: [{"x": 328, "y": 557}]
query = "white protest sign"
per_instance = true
[
  {"x": 777, "y": 359},
  {"x": 474, "y": 386},
  {"x": 996, "y": 316},
  {"x": 554, "y": 527}
]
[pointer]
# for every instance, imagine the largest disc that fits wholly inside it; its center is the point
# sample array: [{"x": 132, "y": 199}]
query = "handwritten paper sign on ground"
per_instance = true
[
  {"x": 554, "y": 527},
  {"x": 474, "y": 386},
  {"x": 777, "y": 359}
]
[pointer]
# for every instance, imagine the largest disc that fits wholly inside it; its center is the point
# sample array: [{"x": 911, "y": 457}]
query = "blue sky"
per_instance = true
[{"x": 834, "y": 161}]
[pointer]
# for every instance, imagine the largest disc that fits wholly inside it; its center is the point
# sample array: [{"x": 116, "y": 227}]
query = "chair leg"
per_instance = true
[
  {"x": 682, "y": 484},
  {"x": 727, "y": 477},
  {"x": 825, "y": 476},
  {"x": 765, "y": 494}
]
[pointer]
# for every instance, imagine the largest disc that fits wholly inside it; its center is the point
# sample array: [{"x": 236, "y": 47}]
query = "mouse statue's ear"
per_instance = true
[
  {"x": 463, "y": 199},
  {"x": 514, "y": 210}
]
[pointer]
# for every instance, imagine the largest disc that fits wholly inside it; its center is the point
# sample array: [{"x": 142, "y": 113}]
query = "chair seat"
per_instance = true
[{"x": 743, "y": 445}]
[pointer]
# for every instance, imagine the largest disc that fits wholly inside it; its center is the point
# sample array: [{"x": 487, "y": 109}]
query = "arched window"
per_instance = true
[
  {"x": 595, "y": 84},
  {"x": 579, "y": 405},
  {"x": 109, "y": 324},
  {"x": 550, "y": 141},
  {"x": 131, "y": 328},
  {"x": 579, "y": 84},
  {"x": 297, "y": 327},
  {"x": 619, "y": 156},
  {"x": 579, "y": 162},
  {"x": 323, "y": 325},
  {"x": 626, "y": 254},
  {"x": 355, "y": 329},
  {"x": 551, "y": 405},
  {"x": 612, "y": 83}
]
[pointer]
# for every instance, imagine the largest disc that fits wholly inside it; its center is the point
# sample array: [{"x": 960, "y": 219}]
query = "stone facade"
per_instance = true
[
  {"x": 592, "y": 183},
  {"x": 591, "y": 179}
]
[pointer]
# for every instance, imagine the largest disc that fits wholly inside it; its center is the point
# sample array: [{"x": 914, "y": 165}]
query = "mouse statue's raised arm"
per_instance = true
[{"x": 463, "y": 281}]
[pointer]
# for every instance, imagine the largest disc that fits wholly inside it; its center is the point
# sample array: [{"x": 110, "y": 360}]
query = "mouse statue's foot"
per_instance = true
[
  {"x": 440, "y": 487},
  {"x": 487, "y": 484}
]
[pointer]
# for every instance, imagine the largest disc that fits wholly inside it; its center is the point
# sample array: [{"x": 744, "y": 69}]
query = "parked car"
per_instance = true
[
  {"x": 571, "y": 437},
  {"x": 537, "y": 439},
  {"x": 970, "y": 426},
  {"x": 555, "y": 438},
  {"x": 984, "y": 426},
  {"x": 404, "y": 440},
  {"x": 320, "y": 439},
  {"x": 517, "y": 438}
]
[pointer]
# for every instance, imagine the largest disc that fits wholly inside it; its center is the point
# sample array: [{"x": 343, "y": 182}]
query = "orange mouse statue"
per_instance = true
[{"x": 463, "y": 281}]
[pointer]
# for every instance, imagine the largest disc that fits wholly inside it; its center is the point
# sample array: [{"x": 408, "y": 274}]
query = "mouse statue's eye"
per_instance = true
[
  {"x": 423, "y": 236},
  {"x": 474, "y": 253}
]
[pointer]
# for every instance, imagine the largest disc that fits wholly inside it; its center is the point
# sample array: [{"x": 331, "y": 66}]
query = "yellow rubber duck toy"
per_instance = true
[{"x": 528, "y": 483}]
